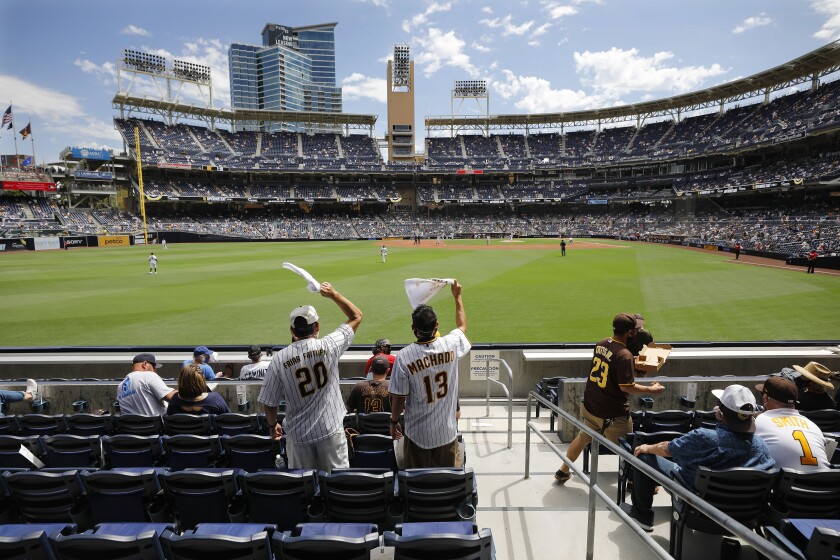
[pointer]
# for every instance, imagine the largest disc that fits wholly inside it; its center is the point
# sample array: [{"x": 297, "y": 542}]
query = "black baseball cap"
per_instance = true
[
  {"x": 254, "y": 351},
  {"x": 146, "y": 357}
]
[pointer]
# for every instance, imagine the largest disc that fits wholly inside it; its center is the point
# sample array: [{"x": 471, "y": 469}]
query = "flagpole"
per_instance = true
[
  {"x": 14, "y": 134},
  {"x": 32, "y": 138}
]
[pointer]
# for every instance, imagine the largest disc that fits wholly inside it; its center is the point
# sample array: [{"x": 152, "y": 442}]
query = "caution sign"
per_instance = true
[{"x": 479, "y": 367}]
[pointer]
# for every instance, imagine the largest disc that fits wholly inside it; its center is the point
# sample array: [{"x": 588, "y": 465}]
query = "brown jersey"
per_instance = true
[
  {"x": 369, "y": 396},
  {"x": 612, "y": 368}
]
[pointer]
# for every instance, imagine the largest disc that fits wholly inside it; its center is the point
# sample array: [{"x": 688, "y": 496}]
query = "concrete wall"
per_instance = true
[{"x": 528, "y": 367}]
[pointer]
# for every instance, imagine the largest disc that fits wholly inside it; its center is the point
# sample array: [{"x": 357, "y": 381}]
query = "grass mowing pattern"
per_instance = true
[{"x": 237, "y": 293}]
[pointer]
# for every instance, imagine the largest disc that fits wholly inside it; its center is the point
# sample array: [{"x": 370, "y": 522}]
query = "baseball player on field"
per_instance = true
[
  {"x": 384, "y": 252},
  {"x": 305, "y": 375},
  {"x": 794, "y": 441},
  {"x": 424, "y": 383}
]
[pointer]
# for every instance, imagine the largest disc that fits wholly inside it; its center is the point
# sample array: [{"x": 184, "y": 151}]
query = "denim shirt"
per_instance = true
[{"x": 720, "y": 448}]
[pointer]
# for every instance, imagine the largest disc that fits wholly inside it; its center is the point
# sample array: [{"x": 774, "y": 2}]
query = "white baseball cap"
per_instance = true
[
  {"x": 307, "y": 312},
  {"x": 738, "y": 406}
]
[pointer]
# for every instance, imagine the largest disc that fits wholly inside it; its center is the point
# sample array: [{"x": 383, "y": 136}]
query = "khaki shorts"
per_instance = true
[
  {"x": 415, "y": 457},
  {"x": 325, "y": 455},
  {"x": 618, "y": 427}
]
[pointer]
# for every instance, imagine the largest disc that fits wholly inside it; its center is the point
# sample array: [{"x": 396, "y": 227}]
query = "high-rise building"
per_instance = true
[{"x": 293, "y": 70}]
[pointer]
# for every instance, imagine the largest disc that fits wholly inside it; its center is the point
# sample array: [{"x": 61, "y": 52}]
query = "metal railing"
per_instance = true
[
  {"x": 506, "y": 389},
  {"x": 760, "y": 545}
]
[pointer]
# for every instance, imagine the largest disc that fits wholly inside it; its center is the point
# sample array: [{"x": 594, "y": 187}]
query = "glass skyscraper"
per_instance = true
[{"x": 293, "y": 70}]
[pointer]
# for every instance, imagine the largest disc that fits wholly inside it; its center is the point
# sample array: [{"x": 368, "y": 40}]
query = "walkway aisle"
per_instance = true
[{"x": 536, "y": 519}]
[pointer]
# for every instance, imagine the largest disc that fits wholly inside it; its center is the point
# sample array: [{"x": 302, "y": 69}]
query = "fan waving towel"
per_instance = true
[
  {"x": 422, "y": 290},
  {"x": 311, "y": 284}
]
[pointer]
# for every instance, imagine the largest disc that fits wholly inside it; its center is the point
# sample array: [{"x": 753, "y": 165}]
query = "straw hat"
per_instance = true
[{"x": 817, "y": 373}]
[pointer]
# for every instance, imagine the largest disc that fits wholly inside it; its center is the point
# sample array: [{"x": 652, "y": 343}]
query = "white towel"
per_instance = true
[
  {"x": 311, "y": 284},
  {"x": 422, "y": 290}
]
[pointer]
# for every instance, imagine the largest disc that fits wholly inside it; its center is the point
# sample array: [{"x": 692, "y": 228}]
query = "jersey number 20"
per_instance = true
[{"x": 304, "y": 377}]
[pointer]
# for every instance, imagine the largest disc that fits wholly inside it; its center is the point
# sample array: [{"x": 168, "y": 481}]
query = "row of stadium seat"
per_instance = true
[
  {"x": 278, "y": 497},
  {"x": 307, "y": 541},
  {"x": 248, "y": 452}
]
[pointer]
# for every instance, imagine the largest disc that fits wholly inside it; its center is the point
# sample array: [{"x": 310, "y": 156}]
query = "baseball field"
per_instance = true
[{"x": 514, "y": 291}]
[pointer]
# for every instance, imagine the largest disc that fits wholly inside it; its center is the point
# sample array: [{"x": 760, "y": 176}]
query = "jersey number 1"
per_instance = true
[
  {"x": 304, "y": 377},
  {"x": 807, "y": 457}
]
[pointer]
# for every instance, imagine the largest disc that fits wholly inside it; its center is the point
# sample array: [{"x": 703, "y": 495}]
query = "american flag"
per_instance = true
[{"x": 7, "y": 117}]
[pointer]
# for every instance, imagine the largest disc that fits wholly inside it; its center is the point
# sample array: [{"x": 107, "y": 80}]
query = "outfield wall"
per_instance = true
[{"x": 831, "y": 262}]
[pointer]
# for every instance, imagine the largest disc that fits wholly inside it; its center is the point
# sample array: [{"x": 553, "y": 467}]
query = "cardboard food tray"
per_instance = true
[{"x": 652, "y": 357}]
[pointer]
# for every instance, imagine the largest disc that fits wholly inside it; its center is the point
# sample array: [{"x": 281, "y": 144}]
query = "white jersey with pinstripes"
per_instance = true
[
  {"x": 427, "y": 375},
  {"x": 305, "y": 375}
]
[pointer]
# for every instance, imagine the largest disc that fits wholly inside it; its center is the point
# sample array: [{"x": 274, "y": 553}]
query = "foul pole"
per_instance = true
[{"x": 140, "y": 182}]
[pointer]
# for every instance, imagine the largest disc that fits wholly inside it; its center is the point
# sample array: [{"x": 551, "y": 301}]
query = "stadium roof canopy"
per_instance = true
[
  {"x": 174, "y": 110},
  {"x": 806, "y": 68}
]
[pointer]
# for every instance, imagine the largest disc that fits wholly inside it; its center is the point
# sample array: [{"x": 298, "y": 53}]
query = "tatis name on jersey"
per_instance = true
[
  {"x": 793, "y": 421},
  {"x": 604, "y": 351},
  {"x": 430, "y": 361}
]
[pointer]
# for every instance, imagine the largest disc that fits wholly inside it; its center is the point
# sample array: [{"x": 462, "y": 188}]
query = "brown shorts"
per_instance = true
[
  {"x": 415, "y": 457},
  {"x": 617, "y": 427}
]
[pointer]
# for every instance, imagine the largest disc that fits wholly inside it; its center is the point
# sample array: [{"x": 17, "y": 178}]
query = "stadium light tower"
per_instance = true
[
  {"x": 401, "y": 105},
  {"x": 134, "y": 67},
  {"x": 471, "y": 89}
]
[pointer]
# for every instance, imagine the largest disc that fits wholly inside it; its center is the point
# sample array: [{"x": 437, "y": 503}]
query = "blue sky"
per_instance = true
[{"x": 57, "y": 57}]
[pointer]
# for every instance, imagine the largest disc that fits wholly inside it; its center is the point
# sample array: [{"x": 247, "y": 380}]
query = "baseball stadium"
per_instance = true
[{"x": 710, "y": 218}]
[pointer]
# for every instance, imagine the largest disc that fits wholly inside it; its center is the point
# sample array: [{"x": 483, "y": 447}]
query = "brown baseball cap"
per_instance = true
[
  {"x": 779, "y": 389},
  {"x": 623, "y": 322},
  {"x": 380, "y": 364}
]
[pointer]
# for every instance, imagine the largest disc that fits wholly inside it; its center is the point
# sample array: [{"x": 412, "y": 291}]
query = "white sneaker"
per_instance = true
[
  {"x": 150, "y": 272},
  {"x": 32, "y": 387}
]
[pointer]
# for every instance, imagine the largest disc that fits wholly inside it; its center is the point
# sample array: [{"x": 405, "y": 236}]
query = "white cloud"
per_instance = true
[
  {"x": 39, "y": 101},
  {"x": 535, "y": 95},
  {"x": 439, "y": 49},
  {"x": 617, "y": 72},
  {"x": 480, "y": 48},
  {"x": 541, "y": 30},
  {"x": 507, "y": 26},
  {"x": 752, "y": 22},
  {"x": 608, "y": 76},
  {"x": 487, "y": 10},
  {"x": 423, "y": 18},
  {"x": 56, "y": 112},
  {"x": 379, "y": 3},
  {"x": 105, "y": 72},
  {"x": 358, "y": 86},
  {"x": 557, "y": 10},
  {"x": 134, "y": 30},
  {"x": 830, "y": 9},
  {"x": 534, "y": 43}
]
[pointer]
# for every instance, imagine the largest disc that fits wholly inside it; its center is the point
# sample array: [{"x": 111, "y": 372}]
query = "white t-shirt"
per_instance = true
[
  {"x": 152, "y": 261},
  {"x": 142, "y": 392},
  {"x": 794, "y": 441},
  {"x": 305, "y": 375},
  {"x": 427, "y": 375},
  {"x": 253, "y": 371}
]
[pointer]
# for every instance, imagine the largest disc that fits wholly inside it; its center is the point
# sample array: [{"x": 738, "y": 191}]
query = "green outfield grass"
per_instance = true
[{"x": 237, "y": 293}]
